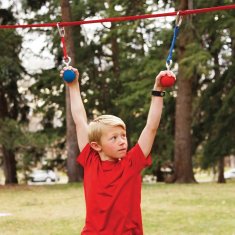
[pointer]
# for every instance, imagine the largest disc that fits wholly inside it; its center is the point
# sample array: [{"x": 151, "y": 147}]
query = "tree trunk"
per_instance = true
[
  {"x": 9, "y": 162},
  {"x": 75, "y": 171},
  {"x": 158, "y": 173},
  {"x": 183, "y": 172},
  {"x": 115, "y": 55},
  {"x": 221, "y": 171},
  {"x": 9, "y": 166}
]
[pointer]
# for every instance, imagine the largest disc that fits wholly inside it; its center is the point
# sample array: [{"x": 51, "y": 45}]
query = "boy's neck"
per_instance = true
[{"x": 103, "y": 157}]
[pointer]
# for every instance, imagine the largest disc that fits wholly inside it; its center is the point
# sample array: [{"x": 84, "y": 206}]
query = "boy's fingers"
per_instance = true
[
  {"x": 76, "y": 71},
  {"x": 61, "y": 73},
  {"x": 162, "y": 73},
  {"x": 170, "y": 73},
  {"x": 69, "y": 68},
  {"x": 166, "y": 72}
]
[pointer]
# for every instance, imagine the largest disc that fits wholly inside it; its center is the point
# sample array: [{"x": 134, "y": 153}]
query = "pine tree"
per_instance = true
[{"x": 12, "y": 104}]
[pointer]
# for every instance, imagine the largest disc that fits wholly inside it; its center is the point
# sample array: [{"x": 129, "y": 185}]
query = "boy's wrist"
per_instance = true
[
  {"x": 158, "y": 88},
  {"x": 73, "y": 84},
  {"x": 158, "y": 93}
]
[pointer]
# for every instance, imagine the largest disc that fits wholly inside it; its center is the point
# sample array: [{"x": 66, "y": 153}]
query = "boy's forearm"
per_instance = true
[
  {"x": 77, "y": 106},
  {"x": 149, "y": 132},
  {"x": 155, "y": 112},
  {"x": 154, "y": 116}
]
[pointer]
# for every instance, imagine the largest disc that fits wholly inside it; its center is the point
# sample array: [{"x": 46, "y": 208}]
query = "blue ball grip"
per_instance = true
[{"x": 69, "y": 75}]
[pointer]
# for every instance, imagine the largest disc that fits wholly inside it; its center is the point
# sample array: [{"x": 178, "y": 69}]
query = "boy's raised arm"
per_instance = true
[
  {"x": 155, "y": 111},
  {"x": 78, "y": 110}
]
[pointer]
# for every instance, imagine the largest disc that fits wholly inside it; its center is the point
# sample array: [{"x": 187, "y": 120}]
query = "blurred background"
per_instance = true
[{"x": 118, "y": 63}]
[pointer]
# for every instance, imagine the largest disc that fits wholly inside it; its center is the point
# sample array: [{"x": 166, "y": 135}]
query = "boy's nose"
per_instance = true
[{"x": 121, "y": 140}]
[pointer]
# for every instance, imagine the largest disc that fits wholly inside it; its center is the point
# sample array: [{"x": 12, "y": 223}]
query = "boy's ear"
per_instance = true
[{"x": 95, "y": 146}]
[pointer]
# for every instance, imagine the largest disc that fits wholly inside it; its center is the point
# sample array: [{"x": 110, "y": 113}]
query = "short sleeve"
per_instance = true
[
  {"x": 85, "y": 155},
  {"x": 138, "y": 159}
]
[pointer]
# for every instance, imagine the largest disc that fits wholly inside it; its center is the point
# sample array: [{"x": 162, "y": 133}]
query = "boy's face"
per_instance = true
[{"x": 113, "y": 143}]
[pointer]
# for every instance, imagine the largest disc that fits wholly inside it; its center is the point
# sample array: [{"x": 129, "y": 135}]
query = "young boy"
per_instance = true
[{"x": 112, "y": 174}]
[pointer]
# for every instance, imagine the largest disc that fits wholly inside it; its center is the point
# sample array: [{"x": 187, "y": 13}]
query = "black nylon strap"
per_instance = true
[{"x": 158, "y": 93}]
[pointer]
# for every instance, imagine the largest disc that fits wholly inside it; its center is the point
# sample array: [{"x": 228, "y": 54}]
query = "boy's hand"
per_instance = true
[
  {"x": 74, "y": 70},
  {"x": 157, "y": 85}
]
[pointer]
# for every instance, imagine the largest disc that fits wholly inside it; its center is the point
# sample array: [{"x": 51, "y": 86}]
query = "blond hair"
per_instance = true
[{"x": 96, "y": 126}]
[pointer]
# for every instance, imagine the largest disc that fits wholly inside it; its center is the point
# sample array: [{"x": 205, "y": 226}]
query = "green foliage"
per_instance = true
[
  {"x": 10, "y": 134},
  {"x": 196, "y": 60},
  {"x": 30, "y": 147},
  {"x": 11, "y": 71},
  {"x": 14, "y": 137},
  {"x": 34, "y": 4},
  {"x": 213, "y": 126},
  {"x": 218, "y": 118}
]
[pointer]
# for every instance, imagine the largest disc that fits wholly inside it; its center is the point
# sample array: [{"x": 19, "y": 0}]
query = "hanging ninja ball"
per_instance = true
[
  {"x": 167, "y": 81},
  {"x": 69, "y": 76}
]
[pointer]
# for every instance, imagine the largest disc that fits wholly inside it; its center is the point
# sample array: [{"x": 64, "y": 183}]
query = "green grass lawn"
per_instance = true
[{"x": 206, "y": 208}]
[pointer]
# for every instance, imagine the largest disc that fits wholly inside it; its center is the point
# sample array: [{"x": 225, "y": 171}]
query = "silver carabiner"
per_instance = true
[
  {"x": 178, "y": 19},
  {"x": 67, "y": 62},
  {"x": 168, "y": 66},
  {"x": 61, "y": 30}
]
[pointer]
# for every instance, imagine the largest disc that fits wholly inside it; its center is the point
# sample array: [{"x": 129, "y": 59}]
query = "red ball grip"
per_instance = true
[{"x": 167, "y": 81}]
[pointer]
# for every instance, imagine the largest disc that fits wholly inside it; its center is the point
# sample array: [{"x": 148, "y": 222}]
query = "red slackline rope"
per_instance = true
[
  {"x": 64, "y": 47},
  {"x": 123, "y": 18},
  {"x": 63, "y": 44}
]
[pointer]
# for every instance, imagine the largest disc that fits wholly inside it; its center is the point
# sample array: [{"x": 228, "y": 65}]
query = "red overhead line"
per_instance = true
[{"x": 122, "y": 18}]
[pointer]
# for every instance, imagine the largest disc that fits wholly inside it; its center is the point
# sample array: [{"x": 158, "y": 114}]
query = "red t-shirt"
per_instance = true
[{"x": 113, "y": 192}]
